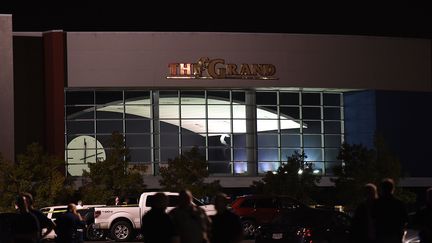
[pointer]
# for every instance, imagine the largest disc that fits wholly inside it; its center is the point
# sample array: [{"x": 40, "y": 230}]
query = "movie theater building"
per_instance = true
[{"x": 246, "y": 100}]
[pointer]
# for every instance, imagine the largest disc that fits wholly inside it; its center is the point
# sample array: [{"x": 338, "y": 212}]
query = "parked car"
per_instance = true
[
  {"x": 123, "y": 222},
  {"x": 87, "y": 212},
  {"x": 304, "y": 225}
]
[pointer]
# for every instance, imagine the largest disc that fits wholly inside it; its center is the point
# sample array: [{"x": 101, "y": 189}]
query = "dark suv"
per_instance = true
[{"x": 255, "y": 210}]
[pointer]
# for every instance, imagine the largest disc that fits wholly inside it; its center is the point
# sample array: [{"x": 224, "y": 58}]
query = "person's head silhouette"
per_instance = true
[{"x": 387, "y": 187}]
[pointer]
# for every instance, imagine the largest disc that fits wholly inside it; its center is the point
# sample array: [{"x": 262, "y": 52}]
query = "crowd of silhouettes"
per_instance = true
[
  {"x": 382, "y": 218},
  {"x": 188, "y": 223}
]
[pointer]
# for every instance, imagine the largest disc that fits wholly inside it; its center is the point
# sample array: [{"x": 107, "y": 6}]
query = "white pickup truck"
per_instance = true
[{"x": 123, "y": 222}]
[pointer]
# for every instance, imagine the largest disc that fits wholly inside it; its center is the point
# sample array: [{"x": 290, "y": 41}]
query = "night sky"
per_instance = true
[{"x": 224, "y": 16}]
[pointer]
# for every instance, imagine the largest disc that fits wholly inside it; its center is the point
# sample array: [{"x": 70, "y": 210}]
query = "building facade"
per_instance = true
[{"x": 246, "y": 101}]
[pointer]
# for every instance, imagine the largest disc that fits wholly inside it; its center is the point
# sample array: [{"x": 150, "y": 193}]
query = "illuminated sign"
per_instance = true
[{"x": 207, "y": 68}]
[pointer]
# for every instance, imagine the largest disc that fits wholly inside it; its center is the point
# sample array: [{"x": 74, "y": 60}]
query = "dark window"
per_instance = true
[
  {"x": 105, "y": 97},
  {"x": 331, "y": 99},
  {"x": 80, "y": 98},
  {"x": 311, "y": 112},
  {"x": 332, "y": 114},
  {"x": 288, "y": 98},
  {"x": 238, "y": 97},
  {"x": 311, "y": 99},
  {"x": 289, "y": 112},
  {"x": 266, "y": 98},
  {"x": 218, "y": 95}
]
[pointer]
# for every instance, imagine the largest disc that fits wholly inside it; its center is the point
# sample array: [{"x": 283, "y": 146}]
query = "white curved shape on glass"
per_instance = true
[{"x": 169, "y": 112}]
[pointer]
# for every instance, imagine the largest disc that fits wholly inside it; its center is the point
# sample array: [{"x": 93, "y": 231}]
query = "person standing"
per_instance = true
[
  {"x": 423, "y": 218},
  {"x": 44, "y": 221},
  {"x": 25, "y": 225},
  {"x": 226, "y": 226},
  {"x": 67, "y": 225},
  {"x": 157, "y": 226},
  {"x": 191, "y": 223},
  {"x": 363, "y": 224},
  {"x": 390, "y": 214}
]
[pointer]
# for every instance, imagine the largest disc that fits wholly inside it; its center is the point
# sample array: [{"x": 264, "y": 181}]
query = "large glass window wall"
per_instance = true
[{"x": 239, "y": 132}]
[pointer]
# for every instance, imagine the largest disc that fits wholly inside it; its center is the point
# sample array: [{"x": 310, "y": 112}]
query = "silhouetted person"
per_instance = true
[
  {"x": 363, "y": 224},
  {"x": 43, "y": 220},
  {"x": 390, "y": 214},
  {"x": 157, "y": 226},
  {"x": 423, "y": 219},
  {"x": 226, "y": 226},
  {"x": 67, "y": 225},
  {"x": 191, "y": 222},
  {"x": 25, "y": 226}
]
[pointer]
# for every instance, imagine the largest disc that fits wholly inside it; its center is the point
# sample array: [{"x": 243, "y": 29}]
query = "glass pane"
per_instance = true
[
  {"x": 238, "y": 97},
  {"x": 266, "y": 98},
  {"x": 239, "y": 140},
  {"x": 109, "y": 126},
  {"x": 73, "y": 127},
  {"x": 169, "y": 126},
  {"x": 219, "y": 126},
  {"x": 219, "y": 168},
  {"x": 240, "y": 155},
  {"x": 168, "y": 97},
  {"x": 193, "y": 111},
  {"x": 268, "y": 154},
  {"x": 138, "y": 111},
  {"x": 311, "y": 99},
  {"x": 263, "y": 167},
  {"x": 332, "y": 140},
  {"x": 218, "y": 97},
  {"x": 240, "y": 168},
  {"x": 193, "y": 139},
  {"x": 285, "y": 153},
  {"x": 290, "y": 140},
  {"x": 79, "y": 112},
  {"x": 109, "y": 112},
  {"x": 195, "y": 126},
  {"x": 219, "y": 154},
  {"x": 79, "y": 98},
  {"x": 313, "y": 154},
  {"x": 311, "y": 113},
  {"x": 239, "y": 111},
  {"x": 105, "y": 97},
  {"x": 312, "y": 141},
  {"x": 267, "y": 112},
  {"x": 311, "y": 127},
  {"x": 169, "y": 111},
  {"x": 168, "y": 153},
  {"x": 192, "y": 97},
  {"x": 318, "y": 168},
  {"x": 267, "y": 140},
  {"x": 290, "y": 112},
  {"x": 288, "y": 98},
  {"x": 332, "y": 113},
  {"x": 331, "y": 154},
  {"x": 331, "y": 99},
  {"x": 169, "y": 140},
  {"x": 138, "y": 140},
  {"x": 140, "y": 155},
  {"x": 105, "y": 140},
  {"x": 239, "y": 126},
  {"x": 332, "y": 127},
  {"x": 219, "y": 140},
  {"x": 137, "y": 97},
  {"x": 267, "y": 125},
  {"x": 137, "y": 126},
  {"x": 219, "y": 111}
]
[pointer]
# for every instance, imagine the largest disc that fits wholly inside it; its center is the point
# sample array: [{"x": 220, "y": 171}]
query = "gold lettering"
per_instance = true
[
  {"x": 216, "y": 72},
  {"x": 173, "y": 68},
  {"x": 245, "y": 70},
  {"x": 257, "y": 69},
  {"x": 185, "y": 69},
  {"x": 270, "y": 70},
  {"x": 231, "y": 69}
]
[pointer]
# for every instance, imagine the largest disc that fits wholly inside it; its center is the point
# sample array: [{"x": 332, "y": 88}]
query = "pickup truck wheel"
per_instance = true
[{"x": 121, "y": 231}]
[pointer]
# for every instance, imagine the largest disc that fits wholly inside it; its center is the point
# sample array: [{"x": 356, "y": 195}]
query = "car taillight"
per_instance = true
[
  {"x": 305, "y": 234},
  {"x": 97, "y": 213}
]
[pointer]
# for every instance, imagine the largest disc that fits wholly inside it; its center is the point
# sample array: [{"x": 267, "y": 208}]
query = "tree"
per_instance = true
[
  {"x": 295, "y": 178},
  {"x": 36, "y": 172},
  {"x": 113, "y": 176},
  {"x": 362, "y": 165},
  {"x": 188, "y": 171}
]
